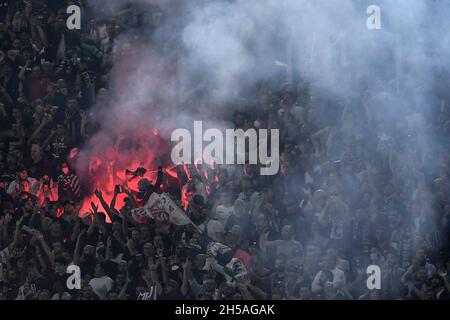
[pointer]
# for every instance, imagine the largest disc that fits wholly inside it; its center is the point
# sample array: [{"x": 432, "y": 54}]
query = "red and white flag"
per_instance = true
[{"x": 162, "y": 208}]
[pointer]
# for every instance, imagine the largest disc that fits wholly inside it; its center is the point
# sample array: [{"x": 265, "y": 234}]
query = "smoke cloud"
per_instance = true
[{"x": 206, "y": 55}]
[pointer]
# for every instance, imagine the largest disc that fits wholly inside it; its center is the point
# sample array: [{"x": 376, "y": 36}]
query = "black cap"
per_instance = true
[{"x": 198, "y": 200}]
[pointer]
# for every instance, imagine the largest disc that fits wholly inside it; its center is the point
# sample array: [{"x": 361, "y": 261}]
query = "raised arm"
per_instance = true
[
  {"x": 186, "y": 276},
  {"x": 75, "y": 230},
  {"x": 153, "y": 271},
  {"x": 23, "y": 70},
  {"x": 159, "y": 179},
  {"x": 265, "y": 243},
  {"x": 131, "y": 247},
  {"x": 164, "y": 270},
  {"x": 16, "y": 235},
  {"x": 76, "y": 253},
  {"x": 123, "y": 291},
  {"x": 97, "y": 222},
  {"x": 41, "y": 259},
  {"x": 44, "y": 246},
  {"x": 49, "y": 137},
  {"x": 44, "y": 122},
  {"x": 130, "y": 196},
  {"x": 109, "y": 254},
  {"x": 42, "y": 35}
]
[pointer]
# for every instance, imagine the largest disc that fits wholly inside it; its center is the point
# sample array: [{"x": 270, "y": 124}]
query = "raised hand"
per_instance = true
[
  {"x": 37, "y": 234},
  {"x": 124, "y": 189},
  {"x": 19, "y": 222},
  {"x": 94, "y": 207},
  {"x": 130, "y": 243},
  {"x": 8, "y": 218},
  {"x": 98, "y": 193}
]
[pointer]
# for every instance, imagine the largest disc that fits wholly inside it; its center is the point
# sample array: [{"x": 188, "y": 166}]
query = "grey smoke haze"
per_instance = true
[
  {"x": 228, "y": 46},
  {"x": 229, "y": 41},
  {"x": 234, "y": 40},
  {"x": 219, "y": 50}
]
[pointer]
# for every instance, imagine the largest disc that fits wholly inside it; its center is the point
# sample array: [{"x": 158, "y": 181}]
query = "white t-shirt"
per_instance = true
[
  {"x": 222, "y": 213},
  {"x": 101, "y": 286},
  {"x": 215, "y": 229},
  {"x": 31, "y": 184}
]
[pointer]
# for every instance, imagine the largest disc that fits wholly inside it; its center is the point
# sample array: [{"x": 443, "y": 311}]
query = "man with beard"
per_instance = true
[
  {"x": 38, "y": 164},
  {"x": 438, "y": 287}
]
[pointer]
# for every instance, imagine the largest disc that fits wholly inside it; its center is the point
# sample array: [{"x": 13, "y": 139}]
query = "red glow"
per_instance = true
[
  {"x": 59, "y": 212},
  {"x": 107, "y": 165},
  {"x": 128, "y": 138}
]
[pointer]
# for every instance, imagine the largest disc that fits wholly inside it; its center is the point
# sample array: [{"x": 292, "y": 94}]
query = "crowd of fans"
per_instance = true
[{"x": 354, "y": 188}]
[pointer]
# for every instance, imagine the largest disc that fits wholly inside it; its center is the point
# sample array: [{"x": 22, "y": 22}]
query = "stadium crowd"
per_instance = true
[{"x": 354, "y": 189}]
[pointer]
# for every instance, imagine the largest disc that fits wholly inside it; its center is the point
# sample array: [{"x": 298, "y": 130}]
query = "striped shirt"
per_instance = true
[{"x": 69, "y": 187}]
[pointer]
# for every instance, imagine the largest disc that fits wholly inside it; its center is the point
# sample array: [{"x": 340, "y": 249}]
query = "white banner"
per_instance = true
[
  {"x": 176, "y": 215},
  {"x": 162, "y": 208}
]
